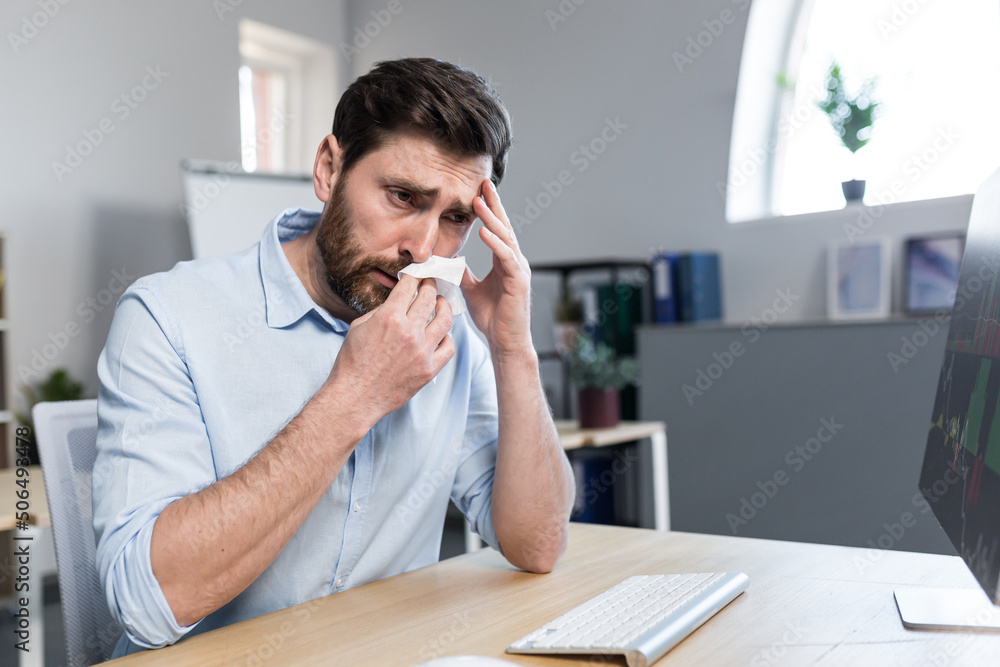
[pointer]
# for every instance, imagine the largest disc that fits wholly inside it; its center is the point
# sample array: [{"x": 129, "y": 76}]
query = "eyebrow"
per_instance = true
[{"x": 430, "y": 193}]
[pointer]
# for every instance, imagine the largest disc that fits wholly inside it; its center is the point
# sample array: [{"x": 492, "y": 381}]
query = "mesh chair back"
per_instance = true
[{"x": 66, "y": 433}]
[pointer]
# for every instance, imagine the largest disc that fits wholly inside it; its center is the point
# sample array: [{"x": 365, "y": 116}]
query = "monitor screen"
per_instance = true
[
  {"x": 932, "y": 264},
  {"x": 961, "y": 472}
]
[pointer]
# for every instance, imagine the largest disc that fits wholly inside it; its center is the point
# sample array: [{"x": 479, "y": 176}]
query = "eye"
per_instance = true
[
  {"x": 459, "y": 218},
  {"x": 401, "y": 196}
]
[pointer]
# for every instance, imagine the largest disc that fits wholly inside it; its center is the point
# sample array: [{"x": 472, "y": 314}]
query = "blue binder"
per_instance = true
[
  {"x": 699, "y": 292},
  {"x": 664, "y": 288}
]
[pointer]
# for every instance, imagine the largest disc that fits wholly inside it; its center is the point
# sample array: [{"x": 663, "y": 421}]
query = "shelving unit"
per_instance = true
[{"x": 617, "y": 267}]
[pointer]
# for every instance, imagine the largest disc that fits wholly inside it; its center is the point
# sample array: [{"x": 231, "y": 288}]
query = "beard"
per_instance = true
[{"x": 348, "y": 272}]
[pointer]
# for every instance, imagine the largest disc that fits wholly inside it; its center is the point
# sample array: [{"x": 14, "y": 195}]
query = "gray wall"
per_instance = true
[
  {"x": 655, "y": 185},
  {"x": 119, "y": 209}
]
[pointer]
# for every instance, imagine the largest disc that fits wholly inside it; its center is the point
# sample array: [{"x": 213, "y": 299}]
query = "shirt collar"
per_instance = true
[{"x": 286, "y": 300}]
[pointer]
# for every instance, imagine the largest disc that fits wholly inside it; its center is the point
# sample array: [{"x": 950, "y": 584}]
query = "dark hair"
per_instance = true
[{"x": 453, "y": 106}]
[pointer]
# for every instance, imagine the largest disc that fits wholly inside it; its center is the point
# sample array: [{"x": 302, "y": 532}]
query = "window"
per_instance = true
[
  {"x": 936, "y": 67},
  {"x": 287, "y": 98},
  {"x": 263, "y": 117}
]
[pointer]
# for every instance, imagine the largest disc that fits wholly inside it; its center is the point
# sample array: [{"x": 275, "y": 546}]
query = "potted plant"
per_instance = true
[
  {"x": 598, "y": 376},
  {"x": 568, "y": 323},
  {"x": 852, "y": 117},
  {"x": 58, "y": 386}
]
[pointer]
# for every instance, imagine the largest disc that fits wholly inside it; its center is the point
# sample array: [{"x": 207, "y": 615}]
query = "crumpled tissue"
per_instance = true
[{"x": 447, "y": 272}]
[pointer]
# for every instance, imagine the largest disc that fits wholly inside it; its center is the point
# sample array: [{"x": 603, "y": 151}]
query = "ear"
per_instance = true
[{"x": 327, "y": 167}]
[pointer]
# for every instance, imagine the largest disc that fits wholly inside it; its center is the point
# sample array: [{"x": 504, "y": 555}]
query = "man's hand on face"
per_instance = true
[
  {"x": 391, "y": 352},
  {"x": 500, "y": 303}
]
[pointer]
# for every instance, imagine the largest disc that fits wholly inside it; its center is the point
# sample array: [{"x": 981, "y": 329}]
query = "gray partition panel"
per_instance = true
[{"x": 811, "y": 433}]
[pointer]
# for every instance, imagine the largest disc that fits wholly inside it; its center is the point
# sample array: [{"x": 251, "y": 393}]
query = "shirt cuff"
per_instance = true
[{"x": 143, "y": 610}]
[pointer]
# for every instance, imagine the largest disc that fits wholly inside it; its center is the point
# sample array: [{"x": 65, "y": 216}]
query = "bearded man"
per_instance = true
[{"x": 246, "y": 472}]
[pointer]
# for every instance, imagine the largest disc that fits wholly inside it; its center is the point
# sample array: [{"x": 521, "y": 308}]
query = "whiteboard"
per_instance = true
[{"x": 228, "y": 209}]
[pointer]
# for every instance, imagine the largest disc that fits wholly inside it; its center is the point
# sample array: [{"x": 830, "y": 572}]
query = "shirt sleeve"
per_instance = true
[
  {"x": 152, "y": 448},
  {"x": 472, "y": 491}
]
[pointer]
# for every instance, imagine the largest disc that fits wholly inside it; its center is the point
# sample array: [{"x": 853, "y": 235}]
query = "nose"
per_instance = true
[{"x": 420, "y": 238}]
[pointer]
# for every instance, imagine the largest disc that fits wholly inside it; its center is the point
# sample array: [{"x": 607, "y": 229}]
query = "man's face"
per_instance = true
[{"x": 399, "y": 204}]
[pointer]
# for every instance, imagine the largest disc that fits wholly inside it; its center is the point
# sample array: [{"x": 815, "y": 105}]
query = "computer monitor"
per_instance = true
[{"x": 960, "y": 478}]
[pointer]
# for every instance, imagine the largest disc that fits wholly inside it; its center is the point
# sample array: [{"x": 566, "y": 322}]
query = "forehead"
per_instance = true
[{"x": 415, "y": 156}]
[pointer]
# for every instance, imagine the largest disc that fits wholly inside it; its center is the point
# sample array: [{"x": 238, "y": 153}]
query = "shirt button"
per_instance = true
[
  {"x": 357, "y": 507},
  {"x": 340, "y": 582}
]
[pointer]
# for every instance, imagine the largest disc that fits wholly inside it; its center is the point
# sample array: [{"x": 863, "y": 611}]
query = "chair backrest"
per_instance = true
[{"x": 66, "y": 433}]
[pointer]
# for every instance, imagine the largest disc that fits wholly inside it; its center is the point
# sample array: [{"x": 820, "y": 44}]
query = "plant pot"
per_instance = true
[
  {"x": 598, "y": 408},
  {"x": 566, "y": 333},
  {"x": 854, "y": 190}
]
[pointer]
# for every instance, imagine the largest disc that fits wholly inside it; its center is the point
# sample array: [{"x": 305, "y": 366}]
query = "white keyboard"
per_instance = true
[{"x": 641, "y": 618}]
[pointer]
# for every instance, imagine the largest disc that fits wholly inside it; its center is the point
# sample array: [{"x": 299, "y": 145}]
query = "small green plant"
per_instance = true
[
  {"x": 593, "y": 365},
  {"x": 59, "y": 386},
  {"x": 851, "y": 116}
]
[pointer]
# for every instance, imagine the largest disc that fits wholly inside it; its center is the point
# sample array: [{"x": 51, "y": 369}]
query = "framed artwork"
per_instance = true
[
  {"x": 930, "y": 270},
  {"x": 858, "y": 280}
]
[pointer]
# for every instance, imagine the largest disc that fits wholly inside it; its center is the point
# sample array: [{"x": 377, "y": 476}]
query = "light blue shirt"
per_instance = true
[{"x": 204, "y": 365}]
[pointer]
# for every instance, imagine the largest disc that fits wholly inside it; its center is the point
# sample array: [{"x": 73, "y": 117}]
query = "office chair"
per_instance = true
[{"x": 66, "y": 433}]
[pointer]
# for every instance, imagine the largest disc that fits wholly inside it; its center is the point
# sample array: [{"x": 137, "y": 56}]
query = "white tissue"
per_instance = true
[{"x": 447, "y": 272}]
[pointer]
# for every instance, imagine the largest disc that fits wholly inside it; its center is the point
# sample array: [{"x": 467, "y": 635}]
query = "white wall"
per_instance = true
[
  {"x": 655, "y": 185},
  {"x": 119, "y": 209}
]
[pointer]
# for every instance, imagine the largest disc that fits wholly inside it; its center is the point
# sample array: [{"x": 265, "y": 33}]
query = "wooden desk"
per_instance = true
[
  {"x": 807, "y": 604},
  {"x": 573, "y": 437}
]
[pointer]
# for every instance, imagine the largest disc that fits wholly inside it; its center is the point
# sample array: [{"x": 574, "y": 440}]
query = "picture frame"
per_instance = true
[
  {"x": 859, "y": 280},
  {"x": 931, "y": 265}
]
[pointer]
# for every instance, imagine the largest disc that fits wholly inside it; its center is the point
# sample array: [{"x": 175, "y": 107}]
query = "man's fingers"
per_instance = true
[
  {"x": 423, "y": 305},
  {"x": 440, "y": 325},
  {"x": 403, "y": 292},
  {"x": 494, "y": 224},
  {"x": 444, "y": 352},
  {"x": 492, "y": 198}
]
